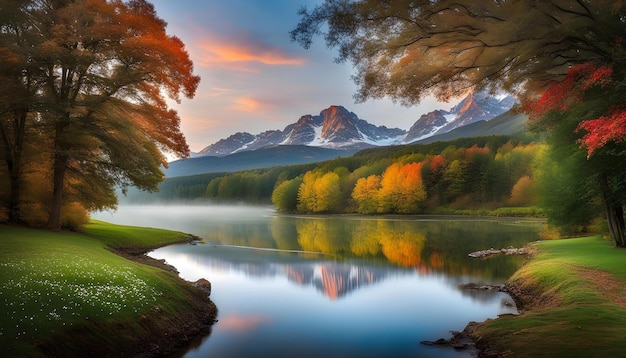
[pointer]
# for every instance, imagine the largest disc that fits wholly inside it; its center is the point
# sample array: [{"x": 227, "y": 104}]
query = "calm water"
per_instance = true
[{"x": 289, "y": 286}]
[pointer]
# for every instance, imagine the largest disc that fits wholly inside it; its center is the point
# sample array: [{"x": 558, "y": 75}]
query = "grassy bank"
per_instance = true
[
  {"x": 574, "y": 301},
  {"x": 69, "y": 294}
]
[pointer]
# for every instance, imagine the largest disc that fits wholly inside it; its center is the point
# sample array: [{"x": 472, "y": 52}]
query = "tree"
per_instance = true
[
  {"x": 389, "y": 194},
  {"x": 365, "y": 194},
  {"x": 328, "y": 193},
  {"x": 406, "y": 49},
  {"x": 285, "y": 195},
  {"x": 523, "y": 192},
  {"x": 17, "y": 75},
  {"x": 105, "y": 69},
  {"x": 307, "y": 197},
  {"x": 412, "y": 189}
]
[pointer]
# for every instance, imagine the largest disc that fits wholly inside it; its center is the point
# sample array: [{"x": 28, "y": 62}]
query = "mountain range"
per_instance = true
[
  {"x": 337, "y": 128},
  {"x": 337, "y": 132}
]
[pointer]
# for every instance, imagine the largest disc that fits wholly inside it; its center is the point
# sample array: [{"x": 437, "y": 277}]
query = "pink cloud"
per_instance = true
[
  {"x": 240, "y": 53},
  {"x": 248, "y": 104}
]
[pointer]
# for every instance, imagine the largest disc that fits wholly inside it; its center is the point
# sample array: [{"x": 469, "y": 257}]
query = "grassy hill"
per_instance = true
[{"x": 66, "y": 294}]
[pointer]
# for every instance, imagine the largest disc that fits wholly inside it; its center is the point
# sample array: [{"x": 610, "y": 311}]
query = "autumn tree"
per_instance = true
[
  {"x": 18, "y": 76},
  {"x": 365, "y": 194},
  {"x": 411, "y": 189},
  {"x": 401, "y": 189},
  {"x": 328, "y": 193},
  {"x": 105, "y": 70},
  {"x": 389, "y": 194},
  {"x": 307, "y": 196}
]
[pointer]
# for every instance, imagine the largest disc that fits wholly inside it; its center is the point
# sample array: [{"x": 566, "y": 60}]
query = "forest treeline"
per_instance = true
[{"x": 465, "y": 174}]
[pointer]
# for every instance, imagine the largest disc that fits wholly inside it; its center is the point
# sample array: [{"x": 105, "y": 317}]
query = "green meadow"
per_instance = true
[
  {"x": 69, "y": 293},
  {"x": 574, "y": 294}
]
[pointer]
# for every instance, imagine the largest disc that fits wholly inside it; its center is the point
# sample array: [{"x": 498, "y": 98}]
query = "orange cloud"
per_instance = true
[
  {"x": 219, "y": 91},
  {"x": 249, "y": 104},
  {"x": 240, "y": 53}
]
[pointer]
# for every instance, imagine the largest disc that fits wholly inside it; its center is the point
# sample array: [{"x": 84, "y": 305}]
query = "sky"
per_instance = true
[{"x": 254, "y": 78}]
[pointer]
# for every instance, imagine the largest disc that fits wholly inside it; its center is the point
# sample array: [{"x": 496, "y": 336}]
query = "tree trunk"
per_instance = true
[
  {"x": 58, "y": 177},
  {"x": 13, "y": 148},
  {"x": 614, "y": 210}
]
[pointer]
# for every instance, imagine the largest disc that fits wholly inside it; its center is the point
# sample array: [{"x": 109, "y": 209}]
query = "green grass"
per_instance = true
[
  {"x": 576, "y": 292},
  {"x": 54, "y": 284}
]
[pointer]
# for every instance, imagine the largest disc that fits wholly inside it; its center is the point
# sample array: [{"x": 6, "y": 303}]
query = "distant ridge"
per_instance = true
[{"x": 256, "y": 159}]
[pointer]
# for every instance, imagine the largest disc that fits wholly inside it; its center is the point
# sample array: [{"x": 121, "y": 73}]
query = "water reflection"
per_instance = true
[{"x": 336, "y": 286}]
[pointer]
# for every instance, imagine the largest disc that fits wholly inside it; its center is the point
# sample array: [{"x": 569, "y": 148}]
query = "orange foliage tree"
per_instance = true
[{"x": 103, "y": 71}]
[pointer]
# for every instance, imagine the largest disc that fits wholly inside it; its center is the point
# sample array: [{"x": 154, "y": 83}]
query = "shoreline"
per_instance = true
[
  {"x": 202, "y": 313},
  {"x": 108, "y": 263},
  {"x": 468, "y": 340}
]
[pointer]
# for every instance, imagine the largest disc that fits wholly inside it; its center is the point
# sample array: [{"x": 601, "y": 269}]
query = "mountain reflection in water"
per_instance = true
[{"x": 336, "y": 286}]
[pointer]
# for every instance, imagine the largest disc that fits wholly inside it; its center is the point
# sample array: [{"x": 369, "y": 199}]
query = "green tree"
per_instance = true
[
  {"x": 454, "y": 181},
  {"x": 285, "y": 195},
  {"x": 565, "y": 191}
]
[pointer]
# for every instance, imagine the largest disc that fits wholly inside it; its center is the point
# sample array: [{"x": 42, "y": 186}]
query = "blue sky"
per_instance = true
[{"x": 255, "y": 79}]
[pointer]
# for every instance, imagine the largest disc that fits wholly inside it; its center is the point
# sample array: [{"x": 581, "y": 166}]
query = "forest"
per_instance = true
[{"x": 496, "y": 175}]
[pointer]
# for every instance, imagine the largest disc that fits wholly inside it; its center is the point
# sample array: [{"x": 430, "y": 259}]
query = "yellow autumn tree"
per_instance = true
[{"x": 365, "y": 194}]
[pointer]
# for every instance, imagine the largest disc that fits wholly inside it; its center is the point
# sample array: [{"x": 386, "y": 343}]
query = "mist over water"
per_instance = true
[{"x": 335, "y": 286}]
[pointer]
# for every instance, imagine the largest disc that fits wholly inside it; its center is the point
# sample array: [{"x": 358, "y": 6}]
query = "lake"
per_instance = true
[{"x": 336, "y": 286}]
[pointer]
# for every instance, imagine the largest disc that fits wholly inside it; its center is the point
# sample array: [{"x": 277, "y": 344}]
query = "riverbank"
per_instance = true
[
  {"x": 95, "y": 293},
  {"x": 572, "y": 301}
]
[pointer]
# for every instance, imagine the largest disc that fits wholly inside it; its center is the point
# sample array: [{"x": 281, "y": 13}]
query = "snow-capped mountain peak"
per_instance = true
[{"x": 336, "y": 127}]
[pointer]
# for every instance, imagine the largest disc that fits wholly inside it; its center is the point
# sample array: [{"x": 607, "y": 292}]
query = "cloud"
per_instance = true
[
  {"x": 250, "y": 104},
  {"x": 241, "y": 53},
  {"x": 219, "y": 91}
]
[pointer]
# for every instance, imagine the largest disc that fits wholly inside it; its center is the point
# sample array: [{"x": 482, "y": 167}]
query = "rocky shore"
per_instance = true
[{"x": 468, "y": 339}]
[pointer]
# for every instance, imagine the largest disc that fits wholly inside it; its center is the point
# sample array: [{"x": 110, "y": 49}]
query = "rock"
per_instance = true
[
  {"x": 439, "y": 342},
  {"x": 474, "y": 286},
  {"x": 508, "y": 251},
  {"x": 459, "y": 340},
  {"x": 204, "y": 285}
]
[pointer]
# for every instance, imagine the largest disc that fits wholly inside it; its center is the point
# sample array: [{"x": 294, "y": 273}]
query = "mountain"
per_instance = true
[
  {"x": 475, "y": 107},
  {"x": 506, "y": 123},
  {"x": 335, "y": 127},
  {"x": 254, "y": 159}
]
